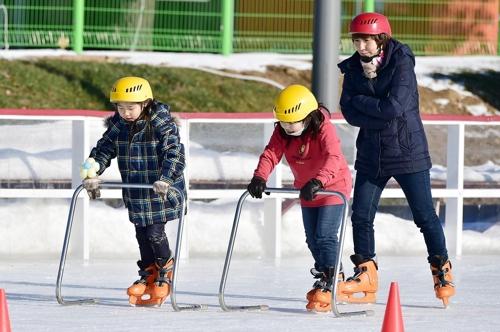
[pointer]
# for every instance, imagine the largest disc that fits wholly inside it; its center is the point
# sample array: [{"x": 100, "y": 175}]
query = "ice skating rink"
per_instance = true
[{"x": 282, "y": 284}]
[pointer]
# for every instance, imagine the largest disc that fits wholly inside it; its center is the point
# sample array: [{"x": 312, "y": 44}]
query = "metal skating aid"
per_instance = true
[
  {"x": 67, "y": 236},
  {"x": 230, "y": 247}
]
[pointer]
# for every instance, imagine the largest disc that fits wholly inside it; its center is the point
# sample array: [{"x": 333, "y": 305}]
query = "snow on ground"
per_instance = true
[
  {"x": 425, "y": 65},
  {"x": 39, "y": 231},
  {"x": 43, "y": 151}
]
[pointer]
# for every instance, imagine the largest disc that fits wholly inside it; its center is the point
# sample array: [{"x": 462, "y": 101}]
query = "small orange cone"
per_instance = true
[
  {"x": 393, "y": 318},
  {"x": 4, "y": 313}
]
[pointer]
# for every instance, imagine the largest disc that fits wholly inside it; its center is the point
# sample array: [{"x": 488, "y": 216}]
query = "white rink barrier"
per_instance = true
[{"x": 453, "y": 194}]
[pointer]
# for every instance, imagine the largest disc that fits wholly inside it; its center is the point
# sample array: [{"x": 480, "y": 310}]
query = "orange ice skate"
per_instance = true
[
  {"x": 154, "y": 286},
  {"x": 320, "y": 297},
  {"x": 443, "y": 279},
  {"x": 364, "y": 280},
  {"x": 320, "y": 300},
  {"x": 160, "y": 289},
  {"x": 141, "y": 288}
]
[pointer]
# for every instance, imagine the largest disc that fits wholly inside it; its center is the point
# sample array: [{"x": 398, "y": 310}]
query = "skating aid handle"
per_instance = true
[
  {"x": 67, "y": 236},
  {"x": 230, "y": 248}
]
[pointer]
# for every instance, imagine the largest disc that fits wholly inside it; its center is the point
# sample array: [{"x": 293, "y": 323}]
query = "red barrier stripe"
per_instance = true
[
  {"x": 450, "y": 117},
  {"x": 266, "y": 115},
  {"x": 54, "y": 112}
]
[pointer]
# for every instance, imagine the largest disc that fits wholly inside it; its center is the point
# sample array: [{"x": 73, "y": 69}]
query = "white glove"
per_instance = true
[
  {"x": 161, "y": 188},
  {"x": 92, "y": 187}
]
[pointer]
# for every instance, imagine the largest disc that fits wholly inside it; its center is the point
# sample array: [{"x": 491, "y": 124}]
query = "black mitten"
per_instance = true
[
  {"x": 310, "y": 189},
  {"x": 256, "y": 187}
]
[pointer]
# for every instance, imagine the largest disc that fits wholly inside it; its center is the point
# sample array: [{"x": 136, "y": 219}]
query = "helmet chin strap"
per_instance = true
[{"x": 367, "y": 59}]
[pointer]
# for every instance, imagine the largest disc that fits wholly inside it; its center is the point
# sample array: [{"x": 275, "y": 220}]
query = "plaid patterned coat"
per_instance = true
[{"x": 147, "y": 150}]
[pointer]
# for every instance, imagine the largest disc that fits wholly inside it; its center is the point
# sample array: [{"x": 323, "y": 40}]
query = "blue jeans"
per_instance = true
[
  {"x": 321, "y": 225},
  {"x": 417, "y": 189}
]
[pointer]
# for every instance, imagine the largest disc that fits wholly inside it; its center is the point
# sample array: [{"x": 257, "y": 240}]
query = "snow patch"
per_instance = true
[{"x": 441, "y": 101}]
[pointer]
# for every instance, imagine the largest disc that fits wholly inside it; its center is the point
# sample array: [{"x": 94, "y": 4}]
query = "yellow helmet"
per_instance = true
[
  {"x": 294, "y": 103},
  {"x": 130, "y": 89}
]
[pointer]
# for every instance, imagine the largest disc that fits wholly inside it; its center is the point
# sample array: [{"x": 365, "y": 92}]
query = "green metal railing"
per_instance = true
[
  {"x": 39, "y": 23},
  {"x": 226, "y": 26}
]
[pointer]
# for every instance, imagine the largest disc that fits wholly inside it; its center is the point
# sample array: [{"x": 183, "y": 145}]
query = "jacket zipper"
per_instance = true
[
  {"x": 130, "y": 138},
  {"x": 370, "y": 82}
]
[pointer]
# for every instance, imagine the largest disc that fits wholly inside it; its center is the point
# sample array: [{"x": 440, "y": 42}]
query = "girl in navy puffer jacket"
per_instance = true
[{"x": 380, "y": 97}]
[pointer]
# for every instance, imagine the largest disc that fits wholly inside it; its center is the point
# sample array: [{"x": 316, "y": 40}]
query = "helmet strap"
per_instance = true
[{"x": 367, "y": 59}]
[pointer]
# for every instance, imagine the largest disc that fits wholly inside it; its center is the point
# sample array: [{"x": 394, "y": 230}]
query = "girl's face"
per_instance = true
[
  {"x": 293, "y": 128},
  {"x": 366, "y": 46},
  {"x": 129, "y": 111}
]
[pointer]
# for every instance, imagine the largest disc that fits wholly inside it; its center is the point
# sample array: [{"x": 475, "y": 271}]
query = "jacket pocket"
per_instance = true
[{"x": 403, "y": 135}]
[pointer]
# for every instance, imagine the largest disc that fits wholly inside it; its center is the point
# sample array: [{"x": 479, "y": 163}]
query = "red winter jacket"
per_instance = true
[{"x": 319, "y": 158}]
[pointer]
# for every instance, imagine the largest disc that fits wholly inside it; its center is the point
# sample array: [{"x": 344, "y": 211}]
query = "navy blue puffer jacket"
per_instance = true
[{"x": 391, "y": 138}]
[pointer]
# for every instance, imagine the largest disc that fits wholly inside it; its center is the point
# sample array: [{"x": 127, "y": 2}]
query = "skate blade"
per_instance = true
[
  {"x": 135, "y": 301},
  {"x": 446, "y": 302},
  {"x": 444, "y": 295},
  {"x": 156, "y": 303},
  {"x": 318, "y": 312}
]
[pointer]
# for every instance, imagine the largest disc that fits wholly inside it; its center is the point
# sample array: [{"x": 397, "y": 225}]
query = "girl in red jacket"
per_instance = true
[{"x": 308, "y": 140}]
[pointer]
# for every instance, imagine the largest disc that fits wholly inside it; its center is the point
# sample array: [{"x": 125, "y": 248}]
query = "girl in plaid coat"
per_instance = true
[{"x": 144, "y": 138}]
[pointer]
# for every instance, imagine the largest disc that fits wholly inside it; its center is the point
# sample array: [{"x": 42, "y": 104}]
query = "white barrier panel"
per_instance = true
[{"x": 454, "y": 193}]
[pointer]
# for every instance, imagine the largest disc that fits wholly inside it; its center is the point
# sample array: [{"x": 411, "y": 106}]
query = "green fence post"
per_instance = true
[
  {"x": 78, "y": 17},
  {"x": 369, "y": 5},
  {"x": 227, "y": 26}
]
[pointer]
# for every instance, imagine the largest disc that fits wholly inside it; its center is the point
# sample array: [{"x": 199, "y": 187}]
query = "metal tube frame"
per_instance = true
[
  {"x": 230, "y": 248},
  {"x": 67, "y": 236}
]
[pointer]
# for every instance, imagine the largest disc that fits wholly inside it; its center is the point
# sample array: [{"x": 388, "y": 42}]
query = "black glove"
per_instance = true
[
  {"x": 310, "y": 189},
  {"x": 256, "y": 187}
]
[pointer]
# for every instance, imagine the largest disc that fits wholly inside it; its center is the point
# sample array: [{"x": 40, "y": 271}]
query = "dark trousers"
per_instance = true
[
  {"x": 153, "y": 243},
  {"x": 321, "y": 225},
  {"x": 417, "y": 189}
]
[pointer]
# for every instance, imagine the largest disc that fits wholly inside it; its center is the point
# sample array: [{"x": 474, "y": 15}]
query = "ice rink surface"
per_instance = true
[{"x": 281, "y": 284}]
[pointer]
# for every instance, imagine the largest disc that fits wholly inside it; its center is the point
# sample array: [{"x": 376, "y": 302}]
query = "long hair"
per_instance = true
[{"x": 146, "y": 115}]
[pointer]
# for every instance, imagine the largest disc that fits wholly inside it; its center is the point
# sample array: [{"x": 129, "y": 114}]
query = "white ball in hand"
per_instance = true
[
  {"x": 89, "y": 169},
  {"x": 83, "y": 173},
  {"x": 91, "y": 173}
]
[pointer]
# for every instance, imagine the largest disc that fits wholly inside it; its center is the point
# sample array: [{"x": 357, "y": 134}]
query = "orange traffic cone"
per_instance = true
[
  {"x": 393, "y": 318},
  {"x": 4, "y": 313}
]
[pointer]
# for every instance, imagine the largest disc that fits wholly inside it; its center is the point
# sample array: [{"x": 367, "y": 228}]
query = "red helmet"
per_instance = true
[{"x": 370, "y": 24}]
